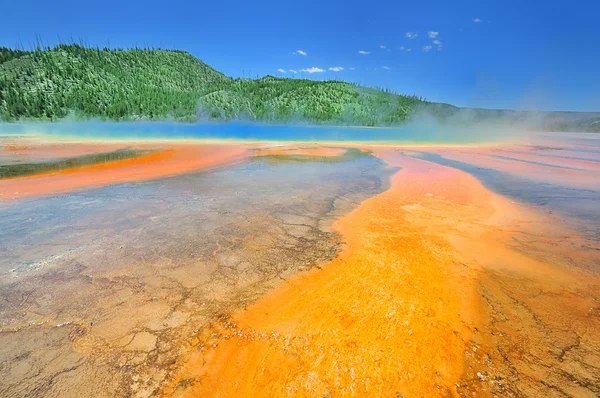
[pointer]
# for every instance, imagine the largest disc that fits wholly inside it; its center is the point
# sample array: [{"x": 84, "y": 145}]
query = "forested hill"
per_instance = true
[
  {"x": 140, "y": 84},
  {"x": 112, "y": 84}
]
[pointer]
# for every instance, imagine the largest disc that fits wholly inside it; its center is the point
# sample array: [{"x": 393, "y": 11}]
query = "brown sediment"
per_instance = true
[
  {"x": 439, "y": 291},
  {"x": 539, "y": 330},
  {"x": 534, "y": 312},
  {"x": 117, "y": 292},
  {"x": 443, "y": 288},
  {"x": 536, "y": 333},
  {"x": 390, "y": 315},
  {"x": 172, "y": 160},
  {"x": 318, "y": 151},
  {"x": 15, "y": 147}
]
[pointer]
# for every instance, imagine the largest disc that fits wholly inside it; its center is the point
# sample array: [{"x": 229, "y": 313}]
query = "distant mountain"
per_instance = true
[{"x": 148, "y": 84}]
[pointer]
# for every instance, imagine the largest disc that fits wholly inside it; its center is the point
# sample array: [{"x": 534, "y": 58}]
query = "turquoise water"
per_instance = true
[{"x": 422, "y": 133}]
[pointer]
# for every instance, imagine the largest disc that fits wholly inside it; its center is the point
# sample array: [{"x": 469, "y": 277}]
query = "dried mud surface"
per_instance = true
[
  {"x": 538, "y": 260},
  {"x": 418, "y": 271},
  {"x": 103, "y": 291},
  {"x": 444, "y": 288}
]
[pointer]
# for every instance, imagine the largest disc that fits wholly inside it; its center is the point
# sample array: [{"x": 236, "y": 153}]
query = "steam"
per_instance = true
[
  {"x": 486, "y": 125},
  {"x": 427, "y": 124},
  {"x": 422, "y": 130}
]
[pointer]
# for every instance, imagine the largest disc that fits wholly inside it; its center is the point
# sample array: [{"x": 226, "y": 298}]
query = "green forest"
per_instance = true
[
  {"x": 74, "y": 81},
  {"x": 149, "y": 84}
]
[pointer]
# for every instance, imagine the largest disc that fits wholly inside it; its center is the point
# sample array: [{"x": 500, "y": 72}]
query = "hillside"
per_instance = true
[
  {"x": 142, "y": 84},
  {"x": 159, "y": 84},
  {"x": 112, "y": 84},
  {"x": 276, "y": 99}
]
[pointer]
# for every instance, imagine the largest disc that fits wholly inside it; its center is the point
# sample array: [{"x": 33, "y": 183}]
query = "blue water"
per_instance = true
[{"x": 253, "y": 132}]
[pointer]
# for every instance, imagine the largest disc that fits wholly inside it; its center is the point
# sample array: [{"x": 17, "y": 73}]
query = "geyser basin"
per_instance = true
[
  {"x": 120, "y": 278},
  {"x": 146, "y": 283}
]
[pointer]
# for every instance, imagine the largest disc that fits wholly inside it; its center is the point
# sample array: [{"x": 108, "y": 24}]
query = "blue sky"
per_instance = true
[{"x": 527, "y": 54}]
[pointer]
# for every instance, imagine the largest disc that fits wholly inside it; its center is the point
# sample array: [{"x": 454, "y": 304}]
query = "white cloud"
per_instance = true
[
  {"x": 433, "y": 35},
  {"x": 362, "y": 52},
  {"x": 351, "y": 68},
  {"x": 382, "y": 46},
  {"x": 438, "y": 44},
  {"x": 336, "y": 68},
  {"x": 411, "y": 35},
  {"x": 427, "y": 48},
  {"x": 402, "y": 48},
  {"x": 281, "y": 70},
  {"x": 314, "y": 69},
  {"x": 477, "y": 20},
  {"x": 408, "y": 50},
  {"x": 386, "y": 67},
  {"x": 293, "y": 71},
  {"x": 301, "y": 52}
]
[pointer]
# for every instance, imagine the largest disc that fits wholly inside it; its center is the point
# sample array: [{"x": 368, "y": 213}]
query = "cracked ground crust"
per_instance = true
[
  {"x": 447, "y": 305},
  {"x": 533, "y": 331},
  {"x": 102, "y": 292}
]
